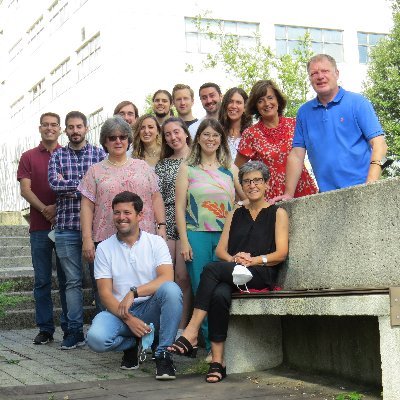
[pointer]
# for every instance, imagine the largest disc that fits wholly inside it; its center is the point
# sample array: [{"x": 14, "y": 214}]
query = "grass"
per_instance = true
[
  {"x": 349, "y": 396},
  {"x": 7, "y": 300},
  {"x": 200, "y": 368}
]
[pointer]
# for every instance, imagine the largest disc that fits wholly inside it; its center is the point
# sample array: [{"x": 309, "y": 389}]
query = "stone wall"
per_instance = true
[{"x": 345, "y": 238}]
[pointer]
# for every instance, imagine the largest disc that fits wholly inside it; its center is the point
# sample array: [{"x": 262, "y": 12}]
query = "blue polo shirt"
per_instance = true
[{"x": 337, "y": 137}]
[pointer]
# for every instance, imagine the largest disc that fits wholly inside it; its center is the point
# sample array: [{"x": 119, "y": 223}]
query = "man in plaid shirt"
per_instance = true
[{"x": 67, "y": 167}]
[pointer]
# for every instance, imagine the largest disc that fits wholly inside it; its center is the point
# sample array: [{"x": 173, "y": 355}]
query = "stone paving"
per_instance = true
[
  {"x": 23, "y": 363},
  {"x": 29, "y": 371}
]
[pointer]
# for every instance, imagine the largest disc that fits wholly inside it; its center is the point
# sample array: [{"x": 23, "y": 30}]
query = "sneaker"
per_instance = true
[
  {"x": 43, "y": 338},
  {"x": 73, "y": 340},
  {"x": 130, "y": 359},
  {"x": 165, "y": 369}
]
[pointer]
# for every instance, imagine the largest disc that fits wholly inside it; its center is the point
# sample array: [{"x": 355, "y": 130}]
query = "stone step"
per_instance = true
[
  {"x": 24, "y": 280},
  {"x": 14, "y": 230},
  {"x": 28, "y": 303},
  {"x": 15, "y": 261},
  {"x": 16, "y": 273},
  {"x": 13, "y": 250},
  {"x": 15, "y": 241},
  {"x": 24, "y": 319}
]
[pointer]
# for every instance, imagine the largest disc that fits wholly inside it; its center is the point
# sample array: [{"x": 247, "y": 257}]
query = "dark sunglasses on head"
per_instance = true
[{"x": 120, "y": 137}]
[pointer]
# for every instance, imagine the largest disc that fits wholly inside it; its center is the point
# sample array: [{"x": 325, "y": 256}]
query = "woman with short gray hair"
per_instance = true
[{"x": 116, "y": 174}]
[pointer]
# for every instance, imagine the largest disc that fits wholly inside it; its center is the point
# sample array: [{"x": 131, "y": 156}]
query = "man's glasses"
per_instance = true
[
  {"x": 256, "y": 181},
  {"x": 51, "y": 125},
  {"x": 120, "y": 137}
]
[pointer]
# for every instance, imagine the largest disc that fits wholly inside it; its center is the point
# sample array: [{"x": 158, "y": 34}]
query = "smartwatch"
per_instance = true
[
  {"x": 264, "y": 260},
  {"x": 133, "y": 289}
]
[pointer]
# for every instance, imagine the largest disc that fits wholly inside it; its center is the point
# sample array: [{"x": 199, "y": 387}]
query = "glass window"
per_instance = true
[
  {"x": 197, "y": 41},
  {"x": 366, "y": 41},
  {"x": 288, "y": 38}
]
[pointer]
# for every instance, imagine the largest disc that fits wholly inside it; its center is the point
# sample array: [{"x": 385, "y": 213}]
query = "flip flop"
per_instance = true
[
  {"x": 182, "y": 347},
  {"x": 216, "y": 368}
]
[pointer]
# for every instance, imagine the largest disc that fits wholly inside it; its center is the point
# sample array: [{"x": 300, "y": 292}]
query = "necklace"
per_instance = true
[
  {"x": 151, "y": 153},
  {"x": 116, "y": 164}
]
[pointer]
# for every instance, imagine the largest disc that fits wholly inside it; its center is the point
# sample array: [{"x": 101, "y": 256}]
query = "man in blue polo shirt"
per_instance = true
[{"x": 340, "y": 132}]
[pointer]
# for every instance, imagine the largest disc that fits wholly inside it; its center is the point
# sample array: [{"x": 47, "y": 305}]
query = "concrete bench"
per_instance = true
[{"x": 335, "y": 314}]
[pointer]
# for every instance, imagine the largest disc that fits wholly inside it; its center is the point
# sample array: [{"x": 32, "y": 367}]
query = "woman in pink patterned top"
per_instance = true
[
  {"x": 117, "y": 173},
  {"x": 270, "y": 139}
]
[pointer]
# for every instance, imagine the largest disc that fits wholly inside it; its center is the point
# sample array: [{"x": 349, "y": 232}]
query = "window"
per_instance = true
[
  {"x": 35, "y": 30},
  {"x": 366, "y": 41},
  {"x": 328, "y": 41},
  {"x": 88, "y": 57},
  {"x": 15, "y": 50},
  {"x": 17, "y": 109},
  {"x": 59, "y": 13},
  {"x": 198, "y": 41},
  {"x": 95, "y": 121},
  {"x": 60, "y": 76},
  {"x": 36, "y": 95}
]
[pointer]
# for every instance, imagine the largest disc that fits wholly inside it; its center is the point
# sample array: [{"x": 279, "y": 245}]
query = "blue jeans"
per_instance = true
[
  {"x": 69, "y": 250},
  {"x": 163, "y": 309},
  {"x": 42, "y": 252}
]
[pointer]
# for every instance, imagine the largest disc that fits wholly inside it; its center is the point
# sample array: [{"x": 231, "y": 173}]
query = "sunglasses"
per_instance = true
[{"x": 120, "y": 137}]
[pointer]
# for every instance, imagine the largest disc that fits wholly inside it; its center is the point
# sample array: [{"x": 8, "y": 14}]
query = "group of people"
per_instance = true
[{"x": 170, "y": 204}]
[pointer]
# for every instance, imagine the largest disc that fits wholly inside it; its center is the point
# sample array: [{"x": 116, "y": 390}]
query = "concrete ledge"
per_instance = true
[{"x": 372, "y": 304}]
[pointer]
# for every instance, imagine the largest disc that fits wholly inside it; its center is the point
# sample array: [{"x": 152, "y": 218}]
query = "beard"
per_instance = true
[{"x": 160, "y": 115}]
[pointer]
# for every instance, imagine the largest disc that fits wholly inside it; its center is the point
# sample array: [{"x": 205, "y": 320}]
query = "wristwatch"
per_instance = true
[
  {"x": 383, "y": 163},
  {"x": 264, "y": 260},
  {"x": 133, "y": 289},
  {"x": 159, "y": 224}
]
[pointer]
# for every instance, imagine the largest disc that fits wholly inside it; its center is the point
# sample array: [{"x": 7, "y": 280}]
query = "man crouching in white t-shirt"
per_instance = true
[{"x": 134, "y": 275}]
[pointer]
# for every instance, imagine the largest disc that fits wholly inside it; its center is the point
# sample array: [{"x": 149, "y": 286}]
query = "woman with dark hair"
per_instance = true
[
  {"x": 233, "y": 118},
  {"x": 175, "y": 147},
  {"x": 205, "y": 193},
  {"x": 255, "y": 236},
  {"x": 111, "y": 176},
  {"x": 270, "y": 139},
  {"x": 147, "y": 139}
]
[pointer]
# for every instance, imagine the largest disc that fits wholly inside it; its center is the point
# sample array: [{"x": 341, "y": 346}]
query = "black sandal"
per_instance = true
[
  {"x": 182, "y": 347},
  {"x": 215, "y": 368}
]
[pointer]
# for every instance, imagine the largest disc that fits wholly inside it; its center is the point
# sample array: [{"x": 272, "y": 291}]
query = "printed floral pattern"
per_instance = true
[{"x": 272, "y": 146}]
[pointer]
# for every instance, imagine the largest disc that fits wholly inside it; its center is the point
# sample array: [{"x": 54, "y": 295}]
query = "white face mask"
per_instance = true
[{"x": 241, "y": 275}]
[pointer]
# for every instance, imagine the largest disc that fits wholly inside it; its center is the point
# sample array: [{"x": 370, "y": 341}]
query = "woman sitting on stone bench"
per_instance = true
[{"x": 256, "y": 236}]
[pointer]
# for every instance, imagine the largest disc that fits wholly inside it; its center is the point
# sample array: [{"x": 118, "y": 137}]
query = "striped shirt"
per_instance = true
[{"x": 66, "y": 169}]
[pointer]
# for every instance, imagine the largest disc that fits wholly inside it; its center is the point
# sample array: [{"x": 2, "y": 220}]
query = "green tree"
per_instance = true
[
  {"x": 247, "y": 65},
  {"x": 383, "y": 82}
]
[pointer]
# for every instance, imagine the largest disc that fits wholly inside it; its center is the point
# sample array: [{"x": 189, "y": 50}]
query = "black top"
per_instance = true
[
  {"x": 257, "y": 238},
  {"x": 254, "y": 237}
]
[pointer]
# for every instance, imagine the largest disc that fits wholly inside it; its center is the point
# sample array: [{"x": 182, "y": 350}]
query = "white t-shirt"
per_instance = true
[
  {"x": 193, "y": 128},
  {"x": 130, "y": 266}
]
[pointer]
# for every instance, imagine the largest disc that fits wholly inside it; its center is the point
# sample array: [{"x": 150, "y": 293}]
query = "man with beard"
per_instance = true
[
  {"x": 67, "y": 167},
  {"x": 211, "y": 97},
  {"x": 162, "y": 101},
  {"x": 183, "y": 99}
]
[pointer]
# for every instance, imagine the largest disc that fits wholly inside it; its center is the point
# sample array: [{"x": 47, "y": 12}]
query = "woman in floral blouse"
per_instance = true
[{"x": 270, "y": 139}]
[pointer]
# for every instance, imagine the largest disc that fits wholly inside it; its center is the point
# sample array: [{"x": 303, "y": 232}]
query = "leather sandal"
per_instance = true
[
  {"x": 182, "y": 347},
  {"x": 216, "y": 368}
]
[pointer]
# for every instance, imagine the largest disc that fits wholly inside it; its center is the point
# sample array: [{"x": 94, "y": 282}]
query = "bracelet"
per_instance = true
[{"x": 159, "y": 224}]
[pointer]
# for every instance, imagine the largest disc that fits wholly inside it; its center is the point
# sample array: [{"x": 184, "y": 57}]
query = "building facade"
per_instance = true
[{"x": 88, "y": 55}]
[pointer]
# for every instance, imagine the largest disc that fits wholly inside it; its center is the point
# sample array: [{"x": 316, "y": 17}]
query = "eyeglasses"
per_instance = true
[
  {"x": 51, "y": 125},
  {"x": 256, "y": 181},
  {"x": 120, "y": 137},
  {"x": 129, "y": 114},
  {"x": 211, "y": 135}
]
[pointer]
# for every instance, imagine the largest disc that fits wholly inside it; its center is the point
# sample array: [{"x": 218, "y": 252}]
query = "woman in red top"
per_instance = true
[{"x": 270, "y": 139}]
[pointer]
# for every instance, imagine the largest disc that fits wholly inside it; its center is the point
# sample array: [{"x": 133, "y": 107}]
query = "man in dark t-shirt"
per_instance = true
[{"x": 32, "y": 176}]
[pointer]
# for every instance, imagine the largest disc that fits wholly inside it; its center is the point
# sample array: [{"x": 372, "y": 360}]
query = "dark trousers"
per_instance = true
[{"x": 214, "y": 295}]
